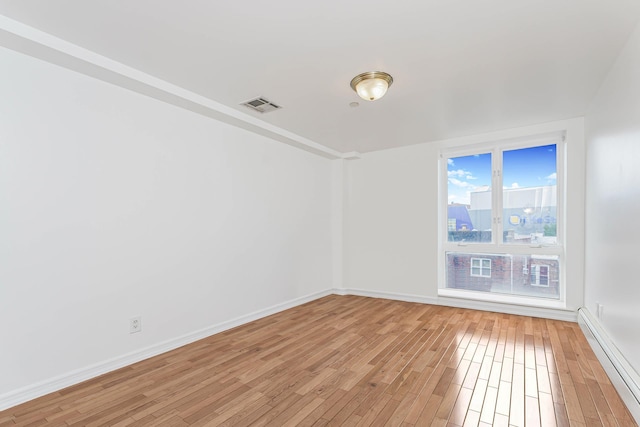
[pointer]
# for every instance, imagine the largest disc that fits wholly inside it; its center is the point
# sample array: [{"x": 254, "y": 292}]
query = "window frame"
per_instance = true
[
  {"x": 481, "y": 267},
  {"x": 497, "y": 246},
  {"x": 536, "y": 268}
]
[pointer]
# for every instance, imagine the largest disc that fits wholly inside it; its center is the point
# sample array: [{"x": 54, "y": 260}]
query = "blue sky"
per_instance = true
[{"x": 527, "y": 167}]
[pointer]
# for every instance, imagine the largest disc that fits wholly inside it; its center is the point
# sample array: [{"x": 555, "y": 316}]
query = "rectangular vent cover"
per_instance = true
[{"x": 262, "y": 105}]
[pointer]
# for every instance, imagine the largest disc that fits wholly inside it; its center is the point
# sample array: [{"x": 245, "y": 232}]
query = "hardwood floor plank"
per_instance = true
[
  {"x": 240, "y": 405},
  {"x": 248, "y": 414},
  {"x": 547, "y": 413},
  {"x": 400, "y": 414},
  {"x": 517, "y": 409},
  {"x": 562, "y": 418},
  {"x": 530, "y": 383},
  {"x": 542, "y": 379},
  {"x": 485, "y": 367},
  {"x": 428, "y": 412},
  {"x": 371, "y": 413},
  {"x": 383, "y": 416},
  {"x": 489, "y": 405},
  {"x": 532, "y": 412},
  {"x": 507, "y": 370},
  {"x": 461, "y": 406},
  {"x": 448, "y": 400},
  {"x": 348, "y": 360},
  {"x": 501, "y": 421},
  {"x": 494, "y": 376},
  {"x": 588, "y": 407},
  {"x": 294, "y": 410},
  {"x": 301, "y": 414},
  {"x": 478, "y": 397},
  {"x": 472, "y": 419},
  {"x": 7, "y": 420},
  {"x": 317, "y": 413},
  {"x": 572, "y": 404}
]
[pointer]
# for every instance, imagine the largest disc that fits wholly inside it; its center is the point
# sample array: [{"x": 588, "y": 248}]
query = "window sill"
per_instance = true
[{"x": 504, "y": 299}]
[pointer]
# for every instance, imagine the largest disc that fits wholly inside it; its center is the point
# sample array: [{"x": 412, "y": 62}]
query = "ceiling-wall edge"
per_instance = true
[{"x": 30, "y": 41}]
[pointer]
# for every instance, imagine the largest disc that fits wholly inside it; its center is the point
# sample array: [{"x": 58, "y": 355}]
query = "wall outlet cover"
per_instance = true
[{"x": 135, "y": 324}]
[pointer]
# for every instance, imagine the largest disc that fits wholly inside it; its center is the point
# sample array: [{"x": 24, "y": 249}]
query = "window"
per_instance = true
[
  {"x": 540, "y": 275},
  {"x": 480, "y": 267},
  {"x": 501, "y": 206}
]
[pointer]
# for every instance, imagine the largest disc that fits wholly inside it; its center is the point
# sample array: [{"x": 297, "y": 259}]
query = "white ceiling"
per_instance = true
[{"x": 460, "y": 67}]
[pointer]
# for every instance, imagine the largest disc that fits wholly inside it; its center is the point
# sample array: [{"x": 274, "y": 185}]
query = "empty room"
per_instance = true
[{"x": 297, "y": 213}]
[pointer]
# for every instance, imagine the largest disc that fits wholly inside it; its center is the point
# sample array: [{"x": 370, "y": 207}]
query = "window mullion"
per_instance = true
[{"x": 496, "y": 206}]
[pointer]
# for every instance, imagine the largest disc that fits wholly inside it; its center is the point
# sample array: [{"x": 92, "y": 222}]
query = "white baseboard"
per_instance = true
[
  {"x": 522, "y": 310},
  {"x": 624, "y": 378},
  {"x": 51, "y": 385}
]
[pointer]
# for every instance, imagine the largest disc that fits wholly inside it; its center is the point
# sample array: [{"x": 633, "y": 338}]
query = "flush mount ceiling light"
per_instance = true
[{"x": 371, "y": 85}]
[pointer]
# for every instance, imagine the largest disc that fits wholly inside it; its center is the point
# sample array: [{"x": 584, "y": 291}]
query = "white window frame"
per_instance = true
[
  {"x": 535, "y": 271},
  {"x": 482, "y": 269},
  {"x": 496, "y": 246}
]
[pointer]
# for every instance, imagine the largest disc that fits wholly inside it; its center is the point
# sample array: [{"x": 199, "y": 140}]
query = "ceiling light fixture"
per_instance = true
[{"x": 371, "y": 85}]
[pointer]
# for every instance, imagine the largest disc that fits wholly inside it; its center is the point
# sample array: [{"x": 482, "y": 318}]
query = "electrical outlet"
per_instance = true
[{"x": 135, "y": 324}]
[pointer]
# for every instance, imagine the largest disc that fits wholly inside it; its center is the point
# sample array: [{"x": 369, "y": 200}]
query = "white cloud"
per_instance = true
[
  {"x": 514, "y": 185},
  {"x": 552, "y": 176},
  {"x": 458, "y": 183},
  {"x": 459, "y": 172},
  {"x": 452, "y": 198},
  {"x": 450, "y": 162}
]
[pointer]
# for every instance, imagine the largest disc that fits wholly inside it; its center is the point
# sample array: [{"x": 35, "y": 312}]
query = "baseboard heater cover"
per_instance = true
[{"x": 625, "y": 379}]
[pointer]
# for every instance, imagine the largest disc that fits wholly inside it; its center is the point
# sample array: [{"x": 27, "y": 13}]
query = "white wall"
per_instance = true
[
  {"x": 391, "y": 222},
  {"x": 390, "y": 242},
  {"x": 114, "y": 205},
  {"x": 613, "y": 202}
]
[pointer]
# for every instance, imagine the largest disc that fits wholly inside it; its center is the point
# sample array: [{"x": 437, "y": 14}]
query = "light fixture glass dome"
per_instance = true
[{"x": 371, "y": 85}]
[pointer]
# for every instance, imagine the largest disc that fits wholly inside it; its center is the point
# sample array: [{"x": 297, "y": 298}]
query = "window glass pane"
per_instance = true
[
  {"x": 524, "y": 275},
  {"x": 540, "y": 275},
  {"x": 529, "y": 195},
  {"x": 469, "y": 198}
]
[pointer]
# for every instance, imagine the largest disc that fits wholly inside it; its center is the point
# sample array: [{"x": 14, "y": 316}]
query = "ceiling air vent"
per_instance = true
[{"x": 262, "y": 105}]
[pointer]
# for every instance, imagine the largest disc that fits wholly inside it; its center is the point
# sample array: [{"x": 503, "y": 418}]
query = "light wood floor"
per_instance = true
[{"x": 347, "y": 360}]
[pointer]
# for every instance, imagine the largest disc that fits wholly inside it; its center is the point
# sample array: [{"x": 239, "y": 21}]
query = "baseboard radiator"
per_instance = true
[{"x": 625, "y": 379}]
